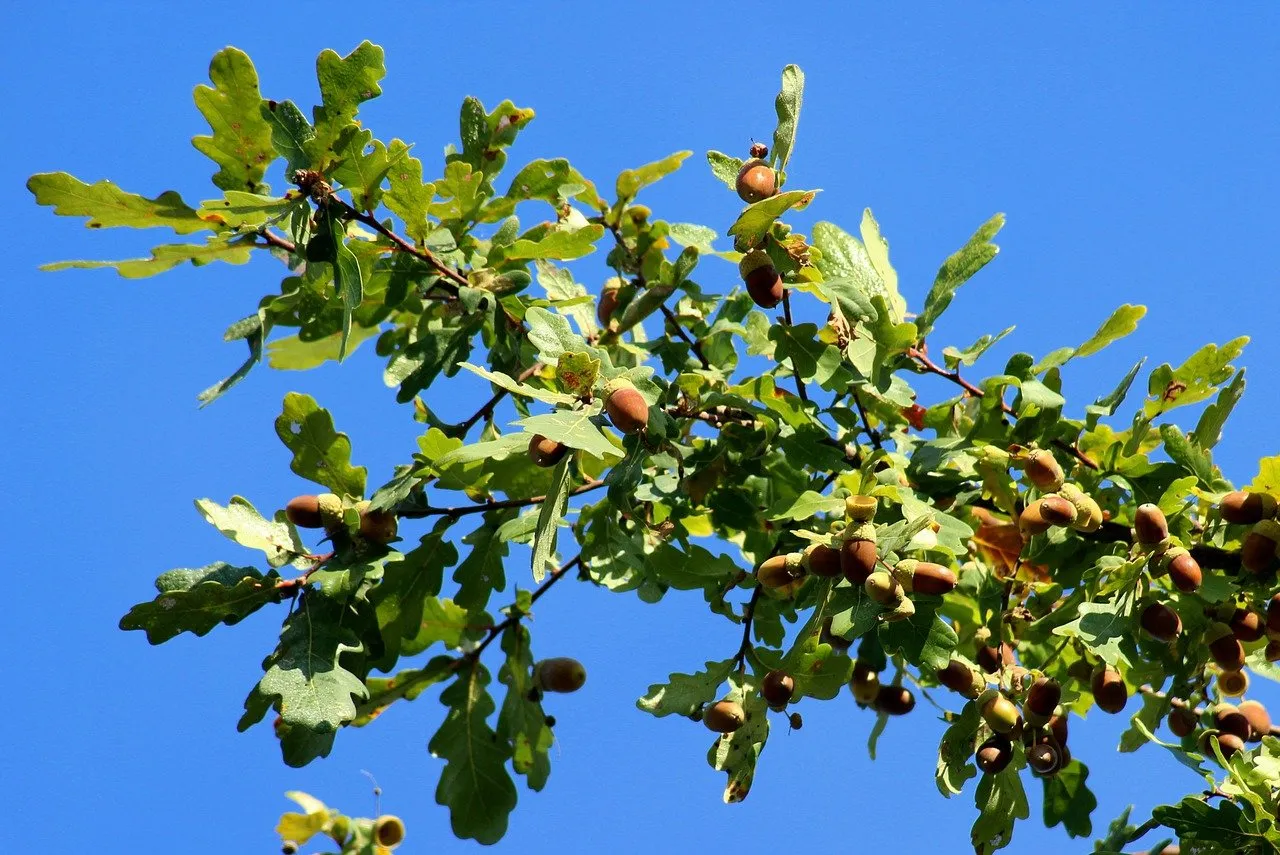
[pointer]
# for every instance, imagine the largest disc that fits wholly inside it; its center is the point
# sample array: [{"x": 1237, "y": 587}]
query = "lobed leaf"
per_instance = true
[
  {"x": 197, "y": 600},
  {"x": 241, "y": 140},
  {"x": 320, "y": 453}
]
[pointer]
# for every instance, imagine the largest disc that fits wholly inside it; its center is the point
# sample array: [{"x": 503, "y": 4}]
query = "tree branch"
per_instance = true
[
  {"x": 695, "y": 346},
  {"x": 786, "y": 317},
  {"x": 412, "y": 513},
  {"x": 403, "y": 245},
  {"x": 873, "y": 435}
]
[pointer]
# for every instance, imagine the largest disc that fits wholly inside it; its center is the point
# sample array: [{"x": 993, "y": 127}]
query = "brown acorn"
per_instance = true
[
  {"x": 991, "y": 659},
  {"x": 1273, "y": 617},
  {"x": 776, "y": 688},
  {"x": 724, "y": 717},
  {"x": 378, "y": 526},
  {"x": 1043, "y": 759},
  {"x": 999, "y": 713},
  {"x": 1229, "y": 719},
  {"x": 546, "y": 452},
  {"x": 1043, "y": 470},
  {"x": 1227, "y": 652},
  {"x": 929, "y": 578},
  {"x": 782, "y": 573},
  {"x": 607, "y": 306},
  {"x": 959, "y": 678},
  {"x": 1184, "y": 571},
  {"x": 822, "y": 560},
  {"x": 795, "y": 721},
  {"x": 894, "y": 700},
  {"x": 626, "y": 407},
  {"x": 1043, "y": 697},
  {"x": 1247, "y": 625},
  {"x": 1182, "y": 722},
  {"x": 1259, "y": 719},
  {"x": 1109, "y": 690},
  {"x": 1272, "y": 653},
  {"x": 1233, "y": 684},
  {"x": 864, "y": 684},
  {"x": 560, "y": 674},
  {"x": 857, "y": 560},
  {"x": 1161, "y": 622},
  {"x": 765, "y": 286},
  {"x": 1057, "y": 727},
  {"x": 883, "y": 588},
  {"x": 304, "y": 512},
  {"x": 1228, "y": 742},
  {"x": 1046, "y": 511},
  {"x": 755, "y": 181},
  {"x": 1150, "y": 525},
  {"x": 1258, "y": 551},
  {"x": 1242, "y": 508},
  {"x": 994, "y": 755}
]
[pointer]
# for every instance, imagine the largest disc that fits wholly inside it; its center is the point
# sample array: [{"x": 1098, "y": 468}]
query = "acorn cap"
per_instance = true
[
  {"x": 860, "y": 508},
  {"x": 753, "y": 260},
  {"x": 388, "y": 830},
  {"x": 1233, "y": 684},
  {"x": 331, "y": 511}
]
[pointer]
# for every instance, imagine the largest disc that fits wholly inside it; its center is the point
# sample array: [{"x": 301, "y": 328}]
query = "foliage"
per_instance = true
[{"x": 753, "y": 431}]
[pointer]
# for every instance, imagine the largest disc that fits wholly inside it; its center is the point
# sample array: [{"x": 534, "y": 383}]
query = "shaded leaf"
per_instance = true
[
  {"x": 549, "y": 517},
  {"x": 574, "y": 428},
  {"x": 231, "y": 249},
  {"x": 197, "y": 600},
  {"x": 522, "y": 722},
  {"x": 1068, "y": 800},
  {"x": 1001, "y": 801},
  {"x": 756, "y": 219},
  {"x": 683, "y": 694}
]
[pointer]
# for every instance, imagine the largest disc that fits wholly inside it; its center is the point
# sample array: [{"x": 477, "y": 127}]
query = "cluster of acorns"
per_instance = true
[
  {"x": 626, "y": 408},
  {"x": 1230, "y": 726},
  {"x": 327, "y": 511},
  {"x": 757, "y": 181},
  {"x": 388, "y": 832}
]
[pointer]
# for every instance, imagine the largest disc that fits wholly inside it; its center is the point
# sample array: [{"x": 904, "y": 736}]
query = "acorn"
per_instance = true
[
  {"x": 724, "y": 717},
  {"x": 1047, "y": 511},
  {"x": 1229, "y": 743},
  {"x": 1182, "y": 722},
  {"x": 546, "y": 452},
  {"x": 1233, "y": 684},
  {"x": 1109, "y": 690},
  {"x": 795, "y": 721},
  {"x": 783, "y": 574},
  {"x": 776, "y": 688},
  {"x": 377, "y": 526},
  {"x": 1247, "y": 625},
  {"x": 388, "y": 830},
  {"x": 607, "y": 305},
  {"x": 1149, "y": 525},
  {"x": 1161, "y": 622},
  {"x": 883, "y": 588},
  {"x": 1088, "y": 511},
  {"x": 857, "y": 560},
  {"x": 755, "y": 181},
  {"x": 1273, "y": 617},
  {"x": 1225, "y": 649},
  {"x": 1184, "y": 571},
  {"x": 994, "y": 755},
  {"x": 927, "y": 578},
  {"x": 560, "y": 674},
  {"x": 1243, "y": 508},
  {"x": 1043, "y": 470},
  {"x": 289, "y": 847},
  {"x": 1042, "y": 699},
  {"x": 864, "y": 684},
  {"x": 822, "y": 560},
  {"x": 1258, "y": 551},
  {"x": 992, "y": 659},
  {"x": 304, "y": 511},
  {"x": 894, "y": 700},
  {"x": 959, "y": 678},
  {"x": 1043, "y": 759},
  {"x": 1229, "y": 719},
  {"x": 1057, "y": 728},
  {"x": 626, "y": 407},
  {"x": 762, "y": 279},
  {"x": 1272, "y": 653},
  {"x": 1259, "y": 719},
  {"x": 998, "y": 712}
]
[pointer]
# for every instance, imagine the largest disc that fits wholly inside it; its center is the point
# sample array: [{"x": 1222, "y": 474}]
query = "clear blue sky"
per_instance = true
[{"x": 1134, "y": 150}]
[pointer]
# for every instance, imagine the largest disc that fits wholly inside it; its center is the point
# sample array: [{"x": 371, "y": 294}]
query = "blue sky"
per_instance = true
[{"x": 1133, "y": 151}]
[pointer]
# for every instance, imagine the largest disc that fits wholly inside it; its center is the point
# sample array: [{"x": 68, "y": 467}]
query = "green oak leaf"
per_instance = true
[
  {"x": 320, "y": 453},
  {"x": 351, "y": 575},
  {"x": 345, "y": 83},
  {"x": 106, "y": 205},
  {"x": 1102, "y": 627},
  {"x": 576, "y": 374},
  {"x": 241, "y": 522},
  {"x": 725, "y": 167},
  {"x": 738, "y": 753},
  {"x": 1001, "y": 801},
  {"x": 756, "y": 219},
  {"x": 409, "y": 197},
  {"x": 632, "y": 181},
  {"x": 238, "y": 210},
  {"x": 401, "y": 600},
  {"x": 560, "y": 286},
  {"x": 549, "y": 517},
  {"x": 684, "y": 694},
  {"x": 551, "y": 335},
  {"x": 925, "y": 639},
  {"x": 292, "y": 353},
  {"x": 1209, "y": 429},
  {"x": 1068, "y": 800},
  {"x": 957, "y": 270},
  {"x": 955, "y": 751},
  {"x": 291, "y": 133},
  {"x": 561, "y": 244},
  {"x": 241, "y": 140},
  {"x": 575, "y": 429},
  {"x": 406, "y": 685},
  {"x": 787, "y": 106},
  {"x": 547, "y": 396},
  {"x": 230, "y": 249},
  {"x": 853, "y": 612},
  {"x": 807, "y": 505},
  {"x": 481, "y": 572},
  {"x": 1122, "y": 322},
  {"x": 1223, "y": 825},
  {"x": 1154, "y": 708},
  {"x": 474, "y": 783},
  {"x": 850, "y": 273},
  {"x": 197, "y": 600},
  {"x": 305, "y": 681},
  {"x": 253, "y": 330},
  {"x": 522, "y": 722},
  {"x": 1192, "y": 381}
]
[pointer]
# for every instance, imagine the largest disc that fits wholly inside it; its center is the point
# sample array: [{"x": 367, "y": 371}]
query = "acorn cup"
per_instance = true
[
  {"x": 724, "y": 716},
  {"x": 1258, "y": 552},
  {"x": 822, "y": 560},
  {"x": 1161, "y": 622},
  {"x": 1043, "y": 470},
  {"x": 626, "y": 407},
  {"x": 1259, "y": 720},
  {"x": 388, "y": 830},
  {"x": 756, "y": 181},
  {"x": 1233, "y": 684},
  {"x": 761, "y": 278},
  {"x": 1242, "y": 508},
  {"x": 1109, "y": 690},
  {"x": 776, "y": 688},
  {"x": 1088, "y": 511},
  {"x": 860, "y": 508},
  {"x": 894, "y": 700},
  {"x": 994, "y": 754}
]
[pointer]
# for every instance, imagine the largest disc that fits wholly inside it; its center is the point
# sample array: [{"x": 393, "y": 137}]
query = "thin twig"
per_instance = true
[
  {"x": 786, "y": 316},
  {"x": 273, "y": 239},
  {"x": 922, "y": 359},
  {"x": 486, "y": 411},
  {"x": 873, "y": 435},
  {"x": 403, "y": 245},
  {"x": 695, "y": 346},
  {"x": 748, "y": 614},
  {"x": 419, "y": 513},
  {"x": 515, "y": 615}
]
